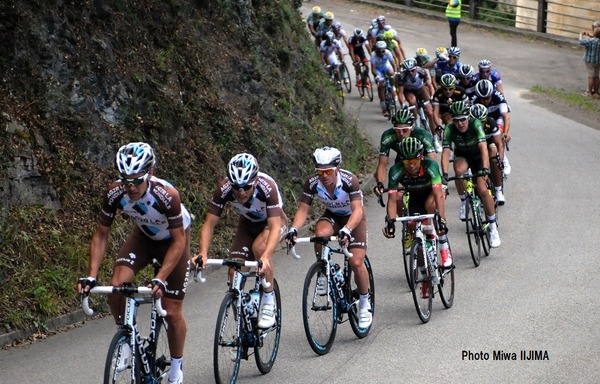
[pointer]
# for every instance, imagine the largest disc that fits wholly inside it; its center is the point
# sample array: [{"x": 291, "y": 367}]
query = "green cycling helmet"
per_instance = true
[
  {"x": 403, "y": 116},
  {"x": 448, "y": 80},
  {"x": 411, "y": 148},
  {"x": 459, "y": 108}
]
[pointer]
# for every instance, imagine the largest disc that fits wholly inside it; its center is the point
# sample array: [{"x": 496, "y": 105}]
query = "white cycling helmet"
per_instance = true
[
  {"x": 484, "y": 64},
  {"x": 327, "y": 156},
  {"x": 380, "y": 45},
  {"x": 242, "y": 169},
  {"x": 134, "y": 158},
  {"x": 484, "y": 88}
]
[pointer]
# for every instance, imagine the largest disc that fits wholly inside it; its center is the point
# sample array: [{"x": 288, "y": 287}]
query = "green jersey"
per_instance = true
[
  {"x": 420, "y": 185},
  {"x": 464, "y": 143},
  {"x": 389, "y": 140}
]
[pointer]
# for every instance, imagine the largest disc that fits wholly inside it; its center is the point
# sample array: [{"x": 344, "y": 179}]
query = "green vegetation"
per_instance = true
[
  {"x": 573, "y": 99},
  {"x": 200, "y": 81}
]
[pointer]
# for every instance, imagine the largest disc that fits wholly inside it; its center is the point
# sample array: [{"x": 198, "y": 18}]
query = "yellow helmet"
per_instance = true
[
  {"x": 421, "y": 52},
  {"x": 316, "y": 9},
  {"x": 440, "y": 51},
  {"x": 388, "y": 35},
  {"x": 329, "y": 16}
]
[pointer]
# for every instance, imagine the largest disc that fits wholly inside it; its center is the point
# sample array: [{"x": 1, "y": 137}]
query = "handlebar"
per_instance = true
[
  {"x": 127, "y": 290},
  {"x": 232, "y": 263},
  {"x": 323, "y": 240}
]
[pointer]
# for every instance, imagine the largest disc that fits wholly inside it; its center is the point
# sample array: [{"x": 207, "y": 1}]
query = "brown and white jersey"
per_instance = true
[{"x": 347, "y": 189}]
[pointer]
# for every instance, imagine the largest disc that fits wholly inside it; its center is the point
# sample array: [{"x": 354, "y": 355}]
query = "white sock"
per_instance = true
[
  {"x": 363, "y": 301},
  {"x": 175, "y": 370},
  {"x": 268, "y": 297}
]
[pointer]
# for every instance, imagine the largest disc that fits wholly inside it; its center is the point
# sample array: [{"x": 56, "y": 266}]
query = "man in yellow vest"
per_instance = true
[{"x": 453, "y": 15}]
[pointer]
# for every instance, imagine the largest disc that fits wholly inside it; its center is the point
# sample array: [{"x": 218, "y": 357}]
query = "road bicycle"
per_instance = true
[
  {"x": 421, "y": 117},
  {"x": 424, "y": 274},
  {"x": 390, "y": 102},
  {"x": 346, "y": 80},
  {"x": 336, "y": 80},
  {"x": 237, "y": 335},
  {"x": 324, "y": 305},
  {"x": 366, "y": 85},
  {"x": 132, "y": 358},
  {"x": 477, "y": 228}
]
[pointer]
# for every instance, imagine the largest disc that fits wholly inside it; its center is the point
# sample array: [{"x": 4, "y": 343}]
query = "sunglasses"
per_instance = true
[
  {"x": 453, "y": 57},
  {"x": 135, "y": 182},
  {"x": 403, "y": 128},
  {"x": 459, "y": 119},
  {"x": 448, "y": 89},
  {"x": 414, "y": 161},
  {"x": 244, "y": 187},
  {"x": 325, "y": 171},
  {"x": 484, "y": 71}
]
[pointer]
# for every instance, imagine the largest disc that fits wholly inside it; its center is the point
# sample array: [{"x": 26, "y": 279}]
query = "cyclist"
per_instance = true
[
  {"x": 403, "y": 121},
  {"x": 262, "y": 224},
  {"x": 325, "y": 25},
  {"x": 466, "y": 79},
  {"x": 470, "y": 151},
  {"x": 313, "y": 20},
  {"x": 421, "y": 177},
  {"x": 392, "y": 45},
  {"x": 382, "y": 66},
  {"x": 498, "y": 109},
  {"x": 448, "y": 93},
  {"x": 382, "y": 27},
  {"x": 493, "y": 137},
  {"x": 423, "y": 58},
  {"x": 486, "y": 72},
  {"x": 331, "y": 54},
  {"x": 447, "y": 61},
  {"x": 339, "y": 33},
  {"x": 339, "y": 191},
  {"x": 359, "y": 48},
  {"x": 161, "y": 232},
  {"x": 414, "y": 83}
]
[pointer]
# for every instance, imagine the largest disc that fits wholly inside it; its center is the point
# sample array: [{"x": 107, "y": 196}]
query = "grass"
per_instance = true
[{"x": 574, "y": 99}]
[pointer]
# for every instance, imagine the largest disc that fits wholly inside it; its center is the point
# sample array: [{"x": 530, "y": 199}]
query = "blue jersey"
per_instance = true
[{"x": 494, "y": 77}]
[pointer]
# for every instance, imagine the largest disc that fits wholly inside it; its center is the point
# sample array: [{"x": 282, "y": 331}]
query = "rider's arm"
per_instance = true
[
  {"x": 206, "y": 233},
  {"x": 485, "y": 159},
  {"x": 381, "y": 169},
  {"x": 357, "y": 214},
  {"x": 301, "y": 215},
  {"x": 506, "y": 118},
  {"x": 445, "y": 159},
  {"x": 98, "y": 249}
]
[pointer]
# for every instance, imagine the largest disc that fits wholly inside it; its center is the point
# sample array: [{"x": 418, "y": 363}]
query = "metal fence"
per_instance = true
[{"x": 557, "y": 17}]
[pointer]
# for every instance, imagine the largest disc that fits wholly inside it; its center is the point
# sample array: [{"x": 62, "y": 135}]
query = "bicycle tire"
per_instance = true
[
  {"x": 319, "y": 313},
  {"x": 422, "y": 305},
  {"x": 362, "y": 87},
  {"x": 111, "y": 374},
  {"x": 368, "y": 85},
  {"x": 473, "y": 232},
  {"x": 352, "y": 293},
  {"x": 227, "y": 351},
  {"x": 406, "y": 256},
  {"x": 159, "y": 353},
  {"x": 346, "y": 76},
  {"x": 267, "y": 340},
  {"x": 390, "y": 103},
  {"x": 446, "y": 285}
]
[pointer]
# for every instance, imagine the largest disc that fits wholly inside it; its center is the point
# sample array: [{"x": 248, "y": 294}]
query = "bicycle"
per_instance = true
[
  {"x": 335, "y": 78},
  {"x": 421, "y": 118},
  {"x": 390, "y": 102},
  {"x": 424, "y": 273},
  {"x": 366, "y": 85},
  {"x": 345, "y": 74},
  {"x": 477, "y": 228},
  {"x": 323, "y": 307},
  {"x": 148, "y": 359},
  {"x": 237, "y": 335}
]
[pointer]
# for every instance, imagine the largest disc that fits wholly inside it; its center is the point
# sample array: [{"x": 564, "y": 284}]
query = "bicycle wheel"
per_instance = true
[
  {"x": 422, "y": 289},
  {"x": 485, "y": 232},
  {"x": 390, "y": 103},
  {"x": 352, "y": 293},
  {"x": 361, "y": 88},
  {"x": 319, "y": 312},
  {"x": 228, "y": 344},
  {"x": 406, "y": 245},
  {"x": 114, "y": 374},
  {"x": 346, "y": 80},
  {"x": 473, "y": 232},
  {"x": 159, "y": 354},
  {"x": 267, "y": 344},
  {"x": 446, "y": 285},
  {"x": 368, "y": 85}
]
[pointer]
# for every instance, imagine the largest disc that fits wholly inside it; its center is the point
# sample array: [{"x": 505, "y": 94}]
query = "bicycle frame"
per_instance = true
[
  {"x": 134, "y": 297},
  {"x": 430, "y": 261}
]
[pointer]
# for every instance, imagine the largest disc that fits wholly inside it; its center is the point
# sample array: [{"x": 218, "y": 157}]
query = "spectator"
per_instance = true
[
  {"x": 591, "y": 57},
  {"x": 453, "y": 15}
]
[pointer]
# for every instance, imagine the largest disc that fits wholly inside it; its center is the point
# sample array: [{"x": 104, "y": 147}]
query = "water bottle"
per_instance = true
[{"x": 255, "y": 301}]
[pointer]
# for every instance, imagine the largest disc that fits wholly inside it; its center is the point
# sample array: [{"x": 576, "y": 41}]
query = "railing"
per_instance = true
[{"x": 556, "y": 17}]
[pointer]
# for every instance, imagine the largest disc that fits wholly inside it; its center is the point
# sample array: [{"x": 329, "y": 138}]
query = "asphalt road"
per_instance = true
[{"x": 534, "y": 293}]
